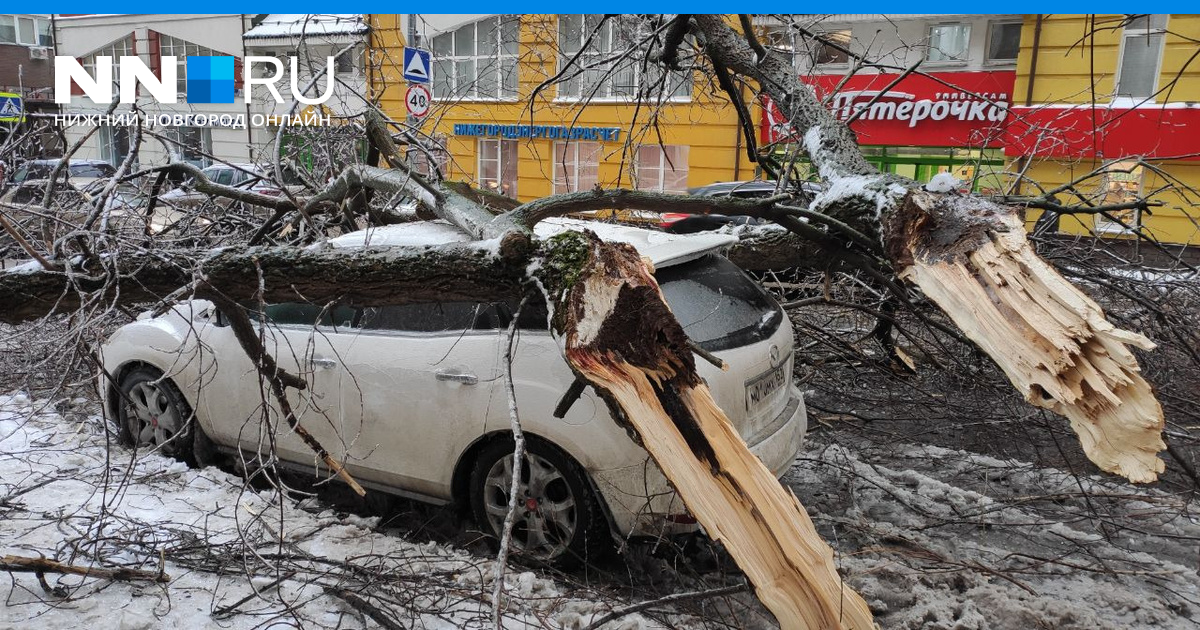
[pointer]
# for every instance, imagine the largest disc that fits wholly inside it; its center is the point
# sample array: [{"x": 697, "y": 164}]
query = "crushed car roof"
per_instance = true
[{"x": 661, "y": 248}]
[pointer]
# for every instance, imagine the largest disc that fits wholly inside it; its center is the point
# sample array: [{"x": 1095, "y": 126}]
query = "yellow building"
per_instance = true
[
  {"x": 508, "y": 128},
  {"x": 1115, "y": 91}
]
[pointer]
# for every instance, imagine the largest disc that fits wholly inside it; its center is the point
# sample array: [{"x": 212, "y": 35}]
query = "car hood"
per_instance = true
[{"x": 661, "y": 248}]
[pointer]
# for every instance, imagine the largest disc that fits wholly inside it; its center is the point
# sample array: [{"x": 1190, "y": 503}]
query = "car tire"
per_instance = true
[
  {"x": 152, "y": 414},
  {"x": 575, "y": 533}
]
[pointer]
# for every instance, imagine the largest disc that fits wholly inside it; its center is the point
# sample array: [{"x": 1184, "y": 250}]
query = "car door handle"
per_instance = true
[
  {"x": 466, "y": 378},
  {"x": 324, "y": 364}
]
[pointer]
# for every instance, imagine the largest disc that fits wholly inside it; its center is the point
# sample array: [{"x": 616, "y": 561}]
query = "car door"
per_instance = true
[
  {"x": 301, "y": 338},
  {"x": 424, "y": 376}
]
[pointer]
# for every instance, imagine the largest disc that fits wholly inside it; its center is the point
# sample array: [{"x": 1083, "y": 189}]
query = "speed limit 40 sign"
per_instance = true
[{"x": 417, "y": 100}]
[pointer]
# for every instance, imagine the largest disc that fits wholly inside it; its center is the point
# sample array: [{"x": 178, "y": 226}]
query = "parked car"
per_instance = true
[
  {"x": 76, "y": 192},
  {"x": 412, "y": 397},
  {"x": 257, "y": 178},
  {"x": 681, "y": 223},
  {"x": 78, "y": 172}
]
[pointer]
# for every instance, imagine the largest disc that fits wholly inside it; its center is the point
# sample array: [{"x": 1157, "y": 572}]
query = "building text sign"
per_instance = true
[
  {"x": 948, "y": 109},
  {"x": 553, "y": 132}
]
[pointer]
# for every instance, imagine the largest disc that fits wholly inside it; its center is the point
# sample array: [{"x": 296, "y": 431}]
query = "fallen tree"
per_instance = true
[{"x": 967, "y": 255}]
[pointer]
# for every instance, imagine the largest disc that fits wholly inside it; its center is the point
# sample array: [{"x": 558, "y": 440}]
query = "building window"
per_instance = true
[
  {"x": 661, "y": 168},
  {"x": 28, "y": 31},
  {"x": 116, "y": 50},
  {"x": 1141, "y": 51},
  {"x": 477, "y": 60},
  {"x": 115, "y": 144},
  {"x": 1121, "y": 183},
  {"x": 605, "y": 70},
  {"x": 174, "y": 47},
  {"x": 498, "y": 166},
  {"x": 1004, "y": 41},
  {"x": 347, "y": 62},
  {"x": 190, "y": 144},
  {"x": 576, "y": 166},
  {"x": 421, "y": 162},
  {"x": 948, "y": 42}
]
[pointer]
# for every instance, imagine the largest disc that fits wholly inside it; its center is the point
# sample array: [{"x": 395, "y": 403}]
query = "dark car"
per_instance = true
[
  {"x": 80, "y": 172},
  {"x": 680, "y": 223}
]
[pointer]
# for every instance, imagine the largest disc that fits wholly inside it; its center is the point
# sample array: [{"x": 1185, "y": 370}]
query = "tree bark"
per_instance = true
[{"x": 623, "y": 339}]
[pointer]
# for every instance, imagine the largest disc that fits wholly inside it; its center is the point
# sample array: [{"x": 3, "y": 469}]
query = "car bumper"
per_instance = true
[{"x": 642, "y": 502}]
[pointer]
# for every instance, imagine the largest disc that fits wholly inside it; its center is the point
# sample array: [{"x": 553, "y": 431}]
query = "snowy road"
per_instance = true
[{"x": 932, "y": 538}]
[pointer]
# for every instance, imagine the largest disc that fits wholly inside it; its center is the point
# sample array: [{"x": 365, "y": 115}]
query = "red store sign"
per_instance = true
[{"x": 948, "y": 109}]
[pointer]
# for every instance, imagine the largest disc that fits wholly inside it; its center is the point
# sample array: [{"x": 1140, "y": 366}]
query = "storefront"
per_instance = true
[
  {"x": 917, "y": 125},
  {"x": 1111, "y": 122}
]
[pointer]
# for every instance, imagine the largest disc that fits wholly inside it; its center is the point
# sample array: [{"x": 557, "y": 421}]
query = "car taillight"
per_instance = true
[
  {"x": 670, "y": 218},
  {"x": 271, "y": 192}
]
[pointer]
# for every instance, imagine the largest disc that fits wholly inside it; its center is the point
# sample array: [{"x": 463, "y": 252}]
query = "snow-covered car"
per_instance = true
[
  {"x": 411, "y": 398},
  {"x": 253, "y": 177}
]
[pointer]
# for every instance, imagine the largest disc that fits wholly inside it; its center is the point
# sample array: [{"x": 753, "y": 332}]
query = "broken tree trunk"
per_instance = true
[
  {"x": 623, "y": 339},
  {"x": 1052, "y": 341},
  {"x": 971, "y": 257}
]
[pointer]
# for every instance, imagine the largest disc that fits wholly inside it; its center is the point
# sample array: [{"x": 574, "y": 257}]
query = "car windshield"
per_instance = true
[{"x": 719, "y": 306}]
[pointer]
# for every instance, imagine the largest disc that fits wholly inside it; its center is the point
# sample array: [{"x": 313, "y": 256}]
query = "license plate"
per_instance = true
[{"x": 764, "y": 385}]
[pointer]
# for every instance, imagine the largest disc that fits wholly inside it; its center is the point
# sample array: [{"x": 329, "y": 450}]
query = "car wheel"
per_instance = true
[
  {"x": 558, "y": 518},
  {"x": 154, "y": 415}
]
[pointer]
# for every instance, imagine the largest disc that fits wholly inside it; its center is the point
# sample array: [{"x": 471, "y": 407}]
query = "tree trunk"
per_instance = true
[
  {"x": 622, "y": 338},
  {"x": 1051, "y": 340}
]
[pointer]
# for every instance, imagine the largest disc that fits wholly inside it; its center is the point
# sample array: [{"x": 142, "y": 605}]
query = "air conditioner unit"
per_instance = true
[{"x": 39, "y": 52}]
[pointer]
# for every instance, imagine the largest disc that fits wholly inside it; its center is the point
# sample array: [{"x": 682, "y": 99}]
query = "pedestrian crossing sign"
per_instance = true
[{"x": 11, "y": 108}]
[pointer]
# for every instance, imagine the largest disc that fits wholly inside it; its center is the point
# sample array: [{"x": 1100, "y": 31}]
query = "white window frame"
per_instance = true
[
  {"x": 498, "y": 62},
  {"x": 120, "y": 48},
  {"x": 177, "y": 142},
  {"x": 577, "y": 157},
  {"x": 987, "y": 45},
  {"x": 419, "y": 161},
  {"x": 501, "y": 163},
  {"x": 108, "y": 144},
  {"x": 181, "y": 49},
  {"x": 653, "y": 177},
  {"x": 1132, "y": 33},
  {"x": 966, "y": 53},
  {"x": 573, "y": 89},
  {"x": 38, "y": 24}
]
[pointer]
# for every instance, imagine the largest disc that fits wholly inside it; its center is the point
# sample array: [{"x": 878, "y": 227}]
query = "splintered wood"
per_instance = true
[
  {"x": 1053, "y": 343},
  {"x": 622, "y": 338}
]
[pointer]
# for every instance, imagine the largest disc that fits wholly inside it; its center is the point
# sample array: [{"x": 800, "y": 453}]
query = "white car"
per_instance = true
[{"x": 412, "y": 399}]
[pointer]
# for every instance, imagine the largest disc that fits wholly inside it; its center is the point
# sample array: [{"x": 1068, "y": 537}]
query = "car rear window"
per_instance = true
[
  {"x": 719, "y": 306},
  {"x": 96, "y": 169}
]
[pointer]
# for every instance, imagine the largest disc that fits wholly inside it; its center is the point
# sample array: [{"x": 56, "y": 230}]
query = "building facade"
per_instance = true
[
  {"x": 26, "y": 78},
  {"x": 507, "y": 128},
  {"x": 948, "y": 117},
  {"x": 1114, "y": 93},
  {"x": 153, "y": 37}
]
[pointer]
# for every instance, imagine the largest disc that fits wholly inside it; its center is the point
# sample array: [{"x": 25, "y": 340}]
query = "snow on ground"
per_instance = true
[
  {"x": 942, "y": 539},
  {"x": 61, "y": 497},
  {"x": 932, "y": 538}
]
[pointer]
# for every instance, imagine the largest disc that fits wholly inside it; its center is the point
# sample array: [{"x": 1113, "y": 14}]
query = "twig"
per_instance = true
[
  {"x": 367, "y": 608},
  {"x": 24, "y": 564},
  {"x": 664, "y": 601},
  {"x": 226, "y": 610},
  {"x": 518, "y": 455}
]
